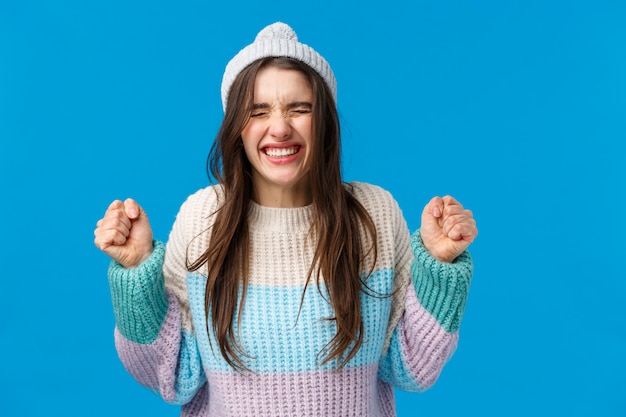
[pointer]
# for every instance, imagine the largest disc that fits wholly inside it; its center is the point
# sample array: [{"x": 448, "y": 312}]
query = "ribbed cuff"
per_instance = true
[
  {"x": 442, "y": 288},
  {"x": 139, "y": 297}
]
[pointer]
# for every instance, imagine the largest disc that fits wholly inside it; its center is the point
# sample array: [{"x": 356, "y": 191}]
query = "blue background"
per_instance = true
[{"x": 517, "y": 108}]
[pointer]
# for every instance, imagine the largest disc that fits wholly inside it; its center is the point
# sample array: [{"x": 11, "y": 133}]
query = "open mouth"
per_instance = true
[{"x": 281, "y": 152}]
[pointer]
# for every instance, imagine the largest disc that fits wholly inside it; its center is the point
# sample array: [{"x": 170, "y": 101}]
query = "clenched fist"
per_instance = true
[
  {"x": 447, "y": 228},
  {"x": 124, "y": 233}
]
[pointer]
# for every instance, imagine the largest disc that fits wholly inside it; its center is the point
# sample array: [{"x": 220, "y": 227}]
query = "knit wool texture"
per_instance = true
[
  {"x": 162, "y": 340},
  {"x": 276, "y": 40}
]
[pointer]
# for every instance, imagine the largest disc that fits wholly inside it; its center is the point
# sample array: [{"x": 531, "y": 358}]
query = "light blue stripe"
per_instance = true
[
  {"x": 190, "y": 376},
  {"x": 392, "y": 368},
  {"x": 276, "y": 342}
]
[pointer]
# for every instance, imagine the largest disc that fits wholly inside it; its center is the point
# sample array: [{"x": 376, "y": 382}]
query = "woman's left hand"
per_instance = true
[{"x": 447, "y": 228}]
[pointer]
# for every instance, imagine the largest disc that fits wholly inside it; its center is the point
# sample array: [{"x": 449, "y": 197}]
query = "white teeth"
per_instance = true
[{"x": 277, "y": 153}]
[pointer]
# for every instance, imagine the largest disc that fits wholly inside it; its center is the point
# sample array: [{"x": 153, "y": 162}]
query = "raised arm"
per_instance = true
[
  {"x": 150, "y": 338},
  {"x": 441, "y": 270}
]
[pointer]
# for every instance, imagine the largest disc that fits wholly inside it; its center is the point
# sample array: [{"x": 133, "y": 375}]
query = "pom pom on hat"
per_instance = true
[
  {"x": 277, "y": 40},
  {"x": 278, "y": 30}
]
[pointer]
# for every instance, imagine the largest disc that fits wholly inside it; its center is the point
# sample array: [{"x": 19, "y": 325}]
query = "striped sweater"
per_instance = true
[{"x": 162, "y": 340}]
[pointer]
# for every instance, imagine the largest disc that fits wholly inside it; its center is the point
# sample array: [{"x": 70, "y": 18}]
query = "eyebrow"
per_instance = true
[
  {"x": 293, "y": 105},
  {"x": 299, "y": 104}
]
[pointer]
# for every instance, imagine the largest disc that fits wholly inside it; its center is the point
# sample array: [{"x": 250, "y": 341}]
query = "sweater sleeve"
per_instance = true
[
  {"x": 426, "y": 335},
  {"x": 150, "y": 338}
]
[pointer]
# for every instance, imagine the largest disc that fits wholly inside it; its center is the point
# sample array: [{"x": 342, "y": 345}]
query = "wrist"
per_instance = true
[
  {"x": 438, "y": 255},
  {"x": 145, "y": 255},
  {"x": 138, "y": 258}
]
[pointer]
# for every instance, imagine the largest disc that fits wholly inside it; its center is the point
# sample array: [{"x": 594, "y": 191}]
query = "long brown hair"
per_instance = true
[{"x": 338, "y": 219}]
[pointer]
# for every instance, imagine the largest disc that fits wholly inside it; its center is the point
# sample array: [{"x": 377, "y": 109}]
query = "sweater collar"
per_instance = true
[{"x": 280, "y": 219}]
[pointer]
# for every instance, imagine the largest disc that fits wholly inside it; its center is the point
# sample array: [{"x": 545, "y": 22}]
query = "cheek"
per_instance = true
[
  {"x": 249, "y": 147},
  {"x": 252, "y": 132},
  {"x": 248, "y": 137},
  {"x": 245, "y": 133},
  {"x": 305, "y": 127}
]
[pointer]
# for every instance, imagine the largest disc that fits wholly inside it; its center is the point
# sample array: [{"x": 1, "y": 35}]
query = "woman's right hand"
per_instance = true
[{"x": 124, "y": 233}]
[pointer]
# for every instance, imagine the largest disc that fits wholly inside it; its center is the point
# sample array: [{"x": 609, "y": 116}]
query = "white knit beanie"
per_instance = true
[{"x": 277, "y": 40}]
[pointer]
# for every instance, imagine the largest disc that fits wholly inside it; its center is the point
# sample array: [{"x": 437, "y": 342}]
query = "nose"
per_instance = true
[{"x": 279, "y": 127}]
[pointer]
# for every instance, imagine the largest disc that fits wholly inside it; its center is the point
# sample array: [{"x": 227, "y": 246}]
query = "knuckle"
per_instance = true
[{"x": 448, "y": 210}]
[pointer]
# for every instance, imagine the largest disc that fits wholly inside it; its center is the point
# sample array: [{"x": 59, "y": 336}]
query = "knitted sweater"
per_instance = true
[{"x": 162, "y": 340}]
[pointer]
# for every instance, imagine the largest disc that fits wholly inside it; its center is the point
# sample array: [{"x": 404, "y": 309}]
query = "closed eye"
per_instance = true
[
  {"x": 298, "y": 108},
  {"x": 260, "y": 110},
  {"x": 299, "y": 111},
  {"x": 293, "y": 110}
]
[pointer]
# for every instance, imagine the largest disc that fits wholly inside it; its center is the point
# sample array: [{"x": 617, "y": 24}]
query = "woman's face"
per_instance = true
[{"x": 278, "y": 138}]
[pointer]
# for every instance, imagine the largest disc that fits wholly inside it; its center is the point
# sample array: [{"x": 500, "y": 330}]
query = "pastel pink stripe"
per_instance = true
[
  {"x": 338, "y": 393},
  {"x": 426, "y": 346},
  {"x": 154, "y": 365}
]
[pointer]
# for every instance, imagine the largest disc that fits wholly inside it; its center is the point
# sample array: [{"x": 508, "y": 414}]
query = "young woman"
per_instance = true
[{"x": 282, "y": 290}]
